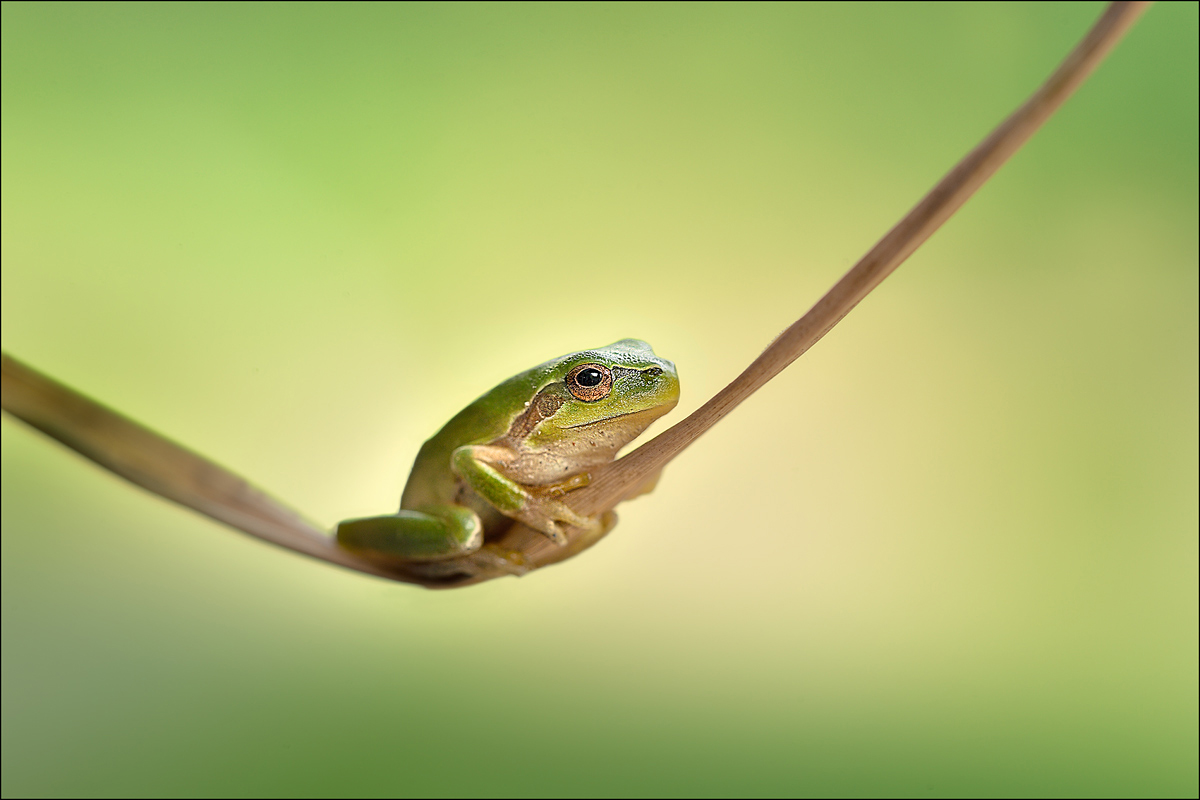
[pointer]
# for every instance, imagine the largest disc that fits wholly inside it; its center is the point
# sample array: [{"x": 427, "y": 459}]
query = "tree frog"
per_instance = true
[{"x": 484, "y": 497}]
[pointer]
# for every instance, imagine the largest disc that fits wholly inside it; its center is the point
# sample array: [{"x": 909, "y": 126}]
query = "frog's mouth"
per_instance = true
[
  {"x": 648, "y": 414},
  {"x": 598, "y": 421}
]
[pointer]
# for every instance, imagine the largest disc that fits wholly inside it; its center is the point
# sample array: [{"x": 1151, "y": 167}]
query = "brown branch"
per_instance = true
[
  {"x": 163, "y": 467},
  {"x": 613, "y": 483},
  {"x": 141, "y": 456}
]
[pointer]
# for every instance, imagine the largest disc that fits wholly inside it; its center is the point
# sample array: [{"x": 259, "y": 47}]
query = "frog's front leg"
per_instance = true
[
  {"x": 480, "y": 467},
  {"x": 432, "y": 534}
]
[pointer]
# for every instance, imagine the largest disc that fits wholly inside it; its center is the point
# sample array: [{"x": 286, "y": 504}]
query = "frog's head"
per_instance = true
[{"x": 603, "y": 398}]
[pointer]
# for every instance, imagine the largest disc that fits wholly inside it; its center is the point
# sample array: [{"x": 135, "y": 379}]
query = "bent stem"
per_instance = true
[
  {"x": 150, "y": 460},
  {"x": 613, "y": 483},
  {"x": 159, "y": 465}
]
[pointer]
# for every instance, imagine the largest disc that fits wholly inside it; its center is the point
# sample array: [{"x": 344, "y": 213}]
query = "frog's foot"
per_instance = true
[
  {"x": 567, "y": 485},
  {"x": 490, "y": 561},
  {"x": 493, "y": 558},
  {"x": 434, "y": 534},
  {"x": 551, "y": 517},
  {"x": 536, "y": 506},
  {"x": 545, "y": 512}
]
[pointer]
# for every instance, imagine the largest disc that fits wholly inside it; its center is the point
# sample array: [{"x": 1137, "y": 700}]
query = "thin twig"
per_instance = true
[
  {"x": 613, "y": 483},
  {"x": 152, "y": 461},
  {"x": 163, "y": 467}
]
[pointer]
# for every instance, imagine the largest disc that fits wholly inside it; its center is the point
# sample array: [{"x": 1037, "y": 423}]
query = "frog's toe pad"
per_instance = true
[{"x": 556, "y": 535}]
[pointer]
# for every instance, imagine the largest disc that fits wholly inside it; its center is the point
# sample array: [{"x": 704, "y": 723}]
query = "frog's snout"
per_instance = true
[{"x": 666, "y": 381}]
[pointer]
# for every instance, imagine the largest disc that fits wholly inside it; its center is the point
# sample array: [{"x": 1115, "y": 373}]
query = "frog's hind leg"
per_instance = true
[{"x": 434, "y": 534}]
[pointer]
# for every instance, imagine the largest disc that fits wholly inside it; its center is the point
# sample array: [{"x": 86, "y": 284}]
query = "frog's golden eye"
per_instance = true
[{"x": 590, "y": 382}]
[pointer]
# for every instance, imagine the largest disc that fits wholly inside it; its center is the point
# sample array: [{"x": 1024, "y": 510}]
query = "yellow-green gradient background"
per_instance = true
[{"x": 951, "y": 550}]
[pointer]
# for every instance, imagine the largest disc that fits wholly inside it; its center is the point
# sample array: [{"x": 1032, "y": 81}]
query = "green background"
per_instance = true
[{"x": 951, "y": 550}]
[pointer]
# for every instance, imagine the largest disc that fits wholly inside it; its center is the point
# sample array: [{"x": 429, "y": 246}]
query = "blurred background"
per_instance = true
[{"x": 952, "y": 550}]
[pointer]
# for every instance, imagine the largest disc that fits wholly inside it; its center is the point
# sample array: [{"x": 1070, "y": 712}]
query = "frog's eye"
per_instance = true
[{"x": 590, "y": 382}]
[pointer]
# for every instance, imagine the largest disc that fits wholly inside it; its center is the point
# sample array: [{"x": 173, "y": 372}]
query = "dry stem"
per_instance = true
[
  {"x": 611, "y": 485},
  {"x": 163, "y": 467},
  {"x": 153, "y": 462}
]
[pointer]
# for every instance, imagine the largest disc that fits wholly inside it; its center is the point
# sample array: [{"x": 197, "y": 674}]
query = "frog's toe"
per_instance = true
[
  {"x": 552, "y": 519},
  {"x": 498, "y": 559},
  {"x": 555, "y": 533}
]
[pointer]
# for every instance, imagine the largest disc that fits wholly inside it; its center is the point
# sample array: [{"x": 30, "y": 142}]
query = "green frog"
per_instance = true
[{"x": 486, "y": 495}]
